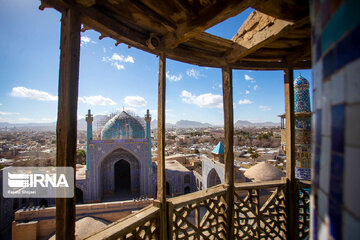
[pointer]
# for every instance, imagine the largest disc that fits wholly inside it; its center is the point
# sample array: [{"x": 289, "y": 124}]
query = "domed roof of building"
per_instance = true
[
  {"x": 219, "y": 149},
  {"x": 263, "y": 172},
  {"x": 301, "y": 82},
  {"x": 87, "y": 225},
  {"x": 122, "y": 126}
]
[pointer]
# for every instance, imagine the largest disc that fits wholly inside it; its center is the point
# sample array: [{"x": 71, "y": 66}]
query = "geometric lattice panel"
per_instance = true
[
  {"x": 148, "y": 230},
  {"x": 304, "y": 210},
  {"x": 260, "y": 213},
  {"x": 205, "y": 219}
]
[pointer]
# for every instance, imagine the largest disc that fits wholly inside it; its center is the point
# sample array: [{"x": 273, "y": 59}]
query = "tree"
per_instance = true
[
  {"x": 80, "y": 157},
  {"x": 254, "y": 155}
]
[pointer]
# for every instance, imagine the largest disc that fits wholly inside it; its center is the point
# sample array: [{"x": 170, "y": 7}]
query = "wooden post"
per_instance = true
[
  {"x": 228, "y": 143},
  {"x": 161, "y": 178},
  {"x": 67, "y": 116},
  {"x": 292, "y": 194}
]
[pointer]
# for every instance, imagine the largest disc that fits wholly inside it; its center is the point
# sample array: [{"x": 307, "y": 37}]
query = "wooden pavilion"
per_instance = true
[{"x": 275, "y": 37}]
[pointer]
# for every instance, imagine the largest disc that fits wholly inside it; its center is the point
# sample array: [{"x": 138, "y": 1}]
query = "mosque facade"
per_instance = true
[
  {"x": 119, "y": 162},
  {"x": 302, "y": 109}
]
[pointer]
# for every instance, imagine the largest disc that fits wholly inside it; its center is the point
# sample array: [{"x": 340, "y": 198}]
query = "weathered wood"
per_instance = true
[
  {"x": 259, "y": 185},
  {"x": 290, "y": 10},
  {"x": 66, "y": 129},
  {"x": 261, "y": 38},
  {"x": 292, "y": 192},
  {"x": 198, "y": 196},
  {"x": 161, "y": 177},
  {"x": 125, "y": 225},
  {"x": 228, "y": 144},
  {"x": 207, "y": 17}
]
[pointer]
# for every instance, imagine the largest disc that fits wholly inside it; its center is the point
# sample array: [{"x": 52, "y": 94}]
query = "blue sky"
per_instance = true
[{"x": 115, "y": 77}]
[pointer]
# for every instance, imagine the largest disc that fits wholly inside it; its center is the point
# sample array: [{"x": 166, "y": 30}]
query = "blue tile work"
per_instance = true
[
  {"x": 122, "y": 126},
  {"x": 301, "y": 95},
  {"x": 336, "y": 67}
]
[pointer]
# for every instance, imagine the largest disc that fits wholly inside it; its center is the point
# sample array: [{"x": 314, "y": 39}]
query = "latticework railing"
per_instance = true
[
  {"x": 304, "y": 209},
  {"x": 259, "y": 213},
  {"x": 260, "y": 210},
  {"x": 200, "y": 215},
  {"x": 141, "y": 225}
]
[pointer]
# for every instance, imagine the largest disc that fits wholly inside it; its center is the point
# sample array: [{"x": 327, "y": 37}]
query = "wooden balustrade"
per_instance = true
[
  {"x": 259, "y": 213},
  {"x": 304, "y": 209},
  {"x": 260, "y": 210},
  {"x": 141, "y": 225}
]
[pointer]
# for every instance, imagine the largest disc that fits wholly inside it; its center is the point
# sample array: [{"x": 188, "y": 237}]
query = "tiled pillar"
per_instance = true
[{"x": 336, "y": 121}]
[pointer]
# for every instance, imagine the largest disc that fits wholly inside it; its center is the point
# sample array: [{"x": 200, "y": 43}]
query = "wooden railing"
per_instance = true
[
  {"x": 141, "y": 225},
  {"x": 304, "y": 209},
  {"x": 199, "y": 215},
  {"x": 259, "y": 213}
]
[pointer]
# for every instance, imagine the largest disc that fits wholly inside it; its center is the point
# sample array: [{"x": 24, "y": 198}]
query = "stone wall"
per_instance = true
[
  {"x": 336, "y": 129},
  {"x": 41, "y": 223}
]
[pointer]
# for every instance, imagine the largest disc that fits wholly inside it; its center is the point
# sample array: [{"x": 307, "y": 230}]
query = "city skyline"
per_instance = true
[{"x": 112, "y": 78}]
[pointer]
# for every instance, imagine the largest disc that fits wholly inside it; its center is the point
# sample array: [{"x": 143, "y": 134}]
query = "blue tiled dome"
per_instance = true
[
  {"x": 301, "y": 82},
  {"x": 122, "y": 126}
]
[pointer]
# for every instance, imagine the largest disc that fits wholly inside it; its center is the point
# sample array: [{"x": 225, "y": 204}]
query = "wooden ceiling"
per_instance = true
[{"x": 277, "y": 36}]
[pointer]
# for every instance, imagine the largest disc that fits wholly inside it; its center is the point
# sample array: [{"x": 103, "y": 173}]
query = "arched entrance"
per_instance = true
[
  {"x": 122, "y": 175},
  {"x": 187, "y": 190},
  {"x": 213, "y": 178},
  {"x": 79, "y": 195}
]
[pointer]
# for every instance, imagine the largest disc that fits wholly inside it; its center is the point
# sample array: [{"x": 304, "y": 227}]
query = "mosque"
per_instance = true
[
  {"x": 120, "y": 163},
  {"x": 302, "y": 109}
]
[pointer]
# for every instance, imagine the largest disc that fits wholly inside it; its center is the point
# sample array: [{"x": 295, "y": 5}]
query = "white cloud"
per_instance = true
[
  {"x": 220, "y": 85},
  {"x": 207, "y": 100},
  {"x": 9, "y": 113},
  {"x": 135, "y": 101},
  {"x": 173, "y": 78},
  {"x": 97, "y": 100},
  {"x": 23, "y": 92},
  {"x": 245, "y": 101},
  {"x": 248, "y": 78},
  {"x": 247, "y": 91},
  {"x": 118, "y": 66},
  {"x": 122, "y": 58},
  {"x": 85, "y": 40},
  {"x": 264, "y": 108},
  {"x": 255, "y": 87},
  {"x": 193, "y": 73},
  {"x": 0, "y": 104},
  {"x": 116, "y": 59}
]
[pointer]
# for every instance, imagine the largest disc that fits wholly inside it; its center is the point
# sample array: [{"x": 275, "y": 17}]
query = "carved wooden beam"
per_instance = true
[
  {"x": 207, "y": 18},
  {"x": 262, "y": 38},
  {"x": 290, "y": 10}
]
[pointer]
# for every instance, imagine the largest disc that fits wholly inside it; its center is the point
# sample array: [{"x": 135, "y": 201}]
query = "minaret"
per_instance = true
[
  {"x": 148, "y": 135},
  {"x": 89, "y": 119},
  {"x": 302, "y": 111}
]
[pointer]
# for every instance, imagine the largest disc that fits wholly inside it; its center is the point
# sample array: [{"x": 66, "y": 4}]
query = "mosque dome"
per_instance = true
[
  {"x": 263, "y": 172},
  {"x": 122, "y": 126},
  {"x": 301, "y": 82}
]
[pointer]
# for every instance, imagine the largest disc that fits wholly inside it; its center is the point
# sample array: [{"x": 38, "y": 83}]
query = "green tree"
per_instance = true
[
  {"x": 254, "y": 155},
  {"x": 80, "y": 157}
]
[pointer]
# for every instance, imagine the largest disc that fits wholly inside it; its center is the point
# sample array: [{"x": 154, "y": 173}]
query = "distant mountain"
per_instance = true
[
  {"x": 191, "y": 124},
  {"x": 243, "y": 123},
  {"x": 154, "y": 124},
  {"x": 81, "y": 124}
]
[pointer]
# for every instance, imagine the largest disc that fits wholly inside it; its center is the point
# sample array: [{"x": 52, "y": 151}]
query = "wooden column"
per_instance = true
[
  {"x": 228, "y": 143},
  {"x": 161, "y": 178},
  {"x": 292, "y": 193},
  {"x": 67, "y": 116}
]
